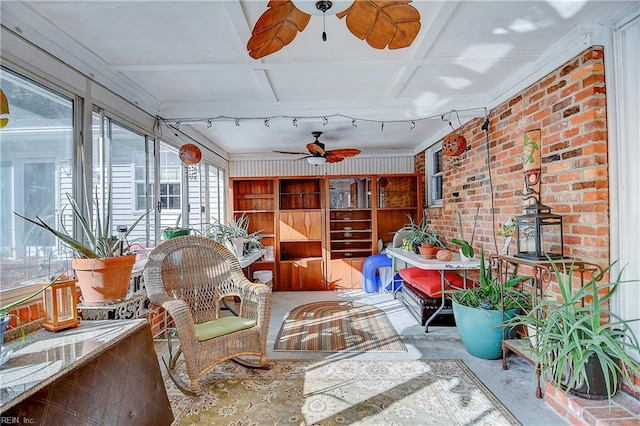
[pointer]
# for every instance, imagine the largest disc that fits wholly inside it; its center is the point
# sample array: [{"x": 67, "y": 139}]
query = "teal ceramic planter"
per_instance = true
[{"x": 481, "y": 330}]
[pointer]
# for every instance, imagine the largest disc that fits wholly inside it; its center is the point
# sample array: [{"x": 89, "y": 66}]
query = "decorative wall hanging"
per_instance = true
[
  {"x": 190, "y": 154},
  {"x": 4, "y": 109},
  {"x": 389, "y": 23},
  {"x": 454, "y": 145},
  {"x": 531, "y": 161}
]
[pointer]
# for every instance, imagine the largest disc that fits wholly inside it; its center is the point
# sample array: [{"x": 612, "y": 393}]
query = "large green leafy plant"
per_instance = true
[
  {"x": 490, "y": 294},
  {"x": 579, "y": 329},
  {"x": 97, "y": 240}
]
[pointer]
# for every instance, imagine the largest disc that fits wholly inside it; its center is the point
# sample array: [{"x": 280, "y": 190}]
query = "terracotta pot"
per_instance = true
[
  {"x": 428, "y": 251},
  {"x": 103, "y": 281}
]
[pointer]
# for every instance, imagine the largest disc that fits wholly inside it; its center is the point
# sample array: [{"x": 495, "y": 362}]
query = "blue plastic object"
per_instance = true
[{"x": 370, "y": 278}]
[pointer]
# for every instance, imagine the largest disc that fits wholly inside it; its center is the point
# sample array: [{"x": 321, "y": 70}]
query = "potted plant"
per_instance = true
[
  {"x": 419, "y": 235},
  {"x": 480, "y": 311},
  {"x": 236, "y": 236},
  {"x": 176, "y": 231},
  {"x": 466, "y": 247},
  {"x": 102, "y": 263},
  {"x": 583, "y": 348}
]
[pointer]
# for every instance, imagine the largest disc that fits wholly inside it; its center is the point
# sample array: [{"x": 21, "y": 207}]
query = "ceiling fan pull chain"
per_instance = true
[{"x": 324, "y": 32}]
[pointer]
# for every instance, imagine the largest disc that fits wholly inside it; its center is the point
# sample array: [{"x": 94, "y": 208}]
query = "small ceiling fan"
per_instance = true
[
  {"x": 382, "y": 23},
  {"x": 318, "y": 155}
]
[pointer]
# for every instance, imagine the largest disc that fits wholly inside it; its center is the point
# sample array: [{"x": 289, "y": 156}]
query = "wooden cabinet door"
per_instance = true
[
  {"x": 346, "y": 274},
  {"x": 311, "y": 274},
  {"x": 302, "y": 274},
  {"x": 300, "y": 226}
]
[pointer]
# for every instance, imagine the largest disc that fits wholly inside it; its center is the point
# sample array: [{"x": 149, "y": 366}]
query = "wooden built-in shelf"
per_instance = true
[{"x": 304, "y": 219}]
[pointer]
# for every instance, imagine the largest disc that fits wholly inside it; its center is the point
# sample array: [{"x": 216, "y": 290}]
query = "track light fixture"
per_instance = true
[{"x": 295, "y": 120}]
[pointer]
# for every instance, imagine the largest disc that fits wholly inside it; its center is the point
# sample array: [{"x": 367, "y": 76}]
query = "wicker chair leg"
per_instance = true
[
  {"x": 252, "y": 364},
  {"x": 190, "y": 390}
]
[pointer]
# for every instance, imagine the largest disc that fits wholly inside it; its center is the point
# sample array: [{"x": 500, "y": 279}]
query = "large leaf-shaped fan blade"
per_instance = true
[
  {"x": 316, "y": 148},
  {"x": 291, "y": 152},
  {"x": 382, "y": 23},
  {"x": 4, "y": 109},
  {"x": 276, "y": 28},
  {"x": 336, "y": 155}
]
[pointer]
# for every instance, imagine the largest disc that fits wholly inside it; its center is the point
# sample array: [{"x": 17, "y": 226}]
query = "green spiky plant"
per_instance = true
[
  {"x": 97, "y": 242},
  {"x": 419, "y": 233},
  {"x": 466, "y": 246},
  {"x": 490, "y": 294},
  {"x": 579, "y": 329},
  {"x": 238, "y": 227}
]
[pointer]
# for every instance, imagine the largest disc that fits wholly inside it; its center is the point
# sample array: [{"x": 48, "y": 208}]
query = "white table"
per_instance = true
[
  {"x": 405, "y": 257},
  {"x": 251, "y": 257}
]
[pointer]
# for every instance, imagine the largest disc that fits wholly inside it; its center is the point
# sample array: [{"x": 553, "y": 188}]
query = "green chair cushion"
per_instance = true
[{"x": 222, "y": 326}]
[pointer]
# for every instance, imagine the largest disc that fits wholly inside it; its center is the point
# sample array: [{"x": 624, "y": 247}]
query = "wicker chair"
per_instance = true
[{"x": 190, "y": 277}]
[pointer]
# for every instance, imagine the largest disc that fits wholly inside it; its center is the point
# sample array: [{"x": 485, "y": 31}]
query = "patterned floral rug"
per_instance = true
[
  {"x": 338, "y": 326},
  {"x": 330, "y": 392}
]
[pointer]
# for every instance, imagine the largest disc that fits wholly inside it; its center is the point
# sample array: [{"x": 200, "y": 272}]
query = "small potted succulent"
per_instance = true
[
  {"x": 422, "y": 239},
  {"x": 236, "y": 236}
]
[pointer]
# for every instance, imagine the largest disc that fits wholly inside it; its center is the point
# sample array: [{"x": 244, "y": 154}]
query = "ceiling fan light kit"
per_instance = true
[
  {"x": 316, "y": 161},
  {"x": 322, "y": 7}
]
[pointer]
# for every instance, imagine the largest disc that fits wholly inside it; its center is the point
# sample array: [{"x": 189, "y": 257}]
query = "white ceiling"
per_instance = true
[{"x": 187, "y": 61}]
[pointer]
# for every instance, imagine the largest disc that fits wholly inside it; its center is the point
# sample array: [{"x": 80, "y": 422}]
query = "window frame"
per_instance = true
[{"x": 431, "y": 176}]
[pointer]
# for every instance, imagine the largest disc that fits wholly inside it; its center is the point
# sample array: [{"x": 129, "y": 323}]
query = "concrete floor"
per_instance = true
[{"x": 515, "y": 388}]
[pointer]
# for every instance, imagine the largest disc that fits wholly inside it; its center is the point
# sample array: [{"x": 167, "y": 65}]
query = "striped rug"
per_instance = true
[{"x": 335, "y": 326}]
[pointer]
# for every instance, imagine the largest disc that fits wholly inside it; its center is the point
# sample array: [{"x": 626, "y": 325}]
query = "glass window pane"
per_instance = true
[
  {"x": 36, "y": 152},
  {"x": 171, "y": 169},
  {"x": 434, "y": 163},
  {"x": 120, "y": 164}
]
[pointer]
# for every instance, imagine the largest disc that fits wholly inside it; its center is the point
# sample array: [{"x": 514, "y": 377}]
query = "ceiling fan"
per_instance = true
[
  {"x": 318, "y": 155},
  {"x": 382, "y": 23}
]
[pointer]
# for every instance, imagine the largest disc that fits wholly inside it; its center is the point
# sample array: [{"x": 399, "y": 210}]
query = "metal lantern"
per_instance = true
[
  {"x": 539, "y": 233},
  {"x": 60, "y": 305}
]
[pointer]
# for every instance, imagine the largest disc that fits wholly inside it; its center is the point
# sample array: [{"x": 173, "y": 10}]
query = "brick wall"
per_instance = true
[{"x": 569, "y": 107}]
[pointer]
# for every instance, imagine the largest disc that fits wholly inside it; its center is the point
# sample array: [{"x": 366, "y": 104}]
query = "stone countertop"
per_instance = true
[{"x": 43, "y": 356}]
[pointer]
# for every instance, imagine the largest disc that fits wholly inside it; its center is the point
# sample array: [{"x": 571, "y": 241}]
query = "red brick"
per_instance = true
[{"x": 569, "y": 90}]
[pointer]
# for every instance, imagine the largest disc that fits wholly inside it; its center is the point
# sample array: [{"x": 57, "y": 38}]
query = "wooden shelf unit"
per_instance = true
[
  {"x": 255, "y": 199},
  {"x": 307, "y": 219}
]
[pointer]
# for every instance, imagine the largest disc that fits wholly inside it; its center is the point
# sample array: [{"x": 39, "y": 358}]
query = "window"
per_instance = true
[
  {"x": 170, "y": 196},
  {"x": 120, "y": 163},
  {"x": 433, "y": 159},
  {"x": 36, "y": 148}
]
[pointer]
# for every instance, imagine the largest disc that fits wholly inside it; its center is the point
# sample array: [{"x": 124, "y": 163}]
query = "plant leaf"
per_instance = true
[
  {"x": 383, "y": 23},
  {"x": 276, "y": 28}
]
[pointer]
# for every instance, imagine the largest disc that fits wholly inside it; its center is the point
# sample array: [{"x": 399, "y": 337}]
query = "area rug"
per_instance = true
[
  {"x": 335, "y": 326},
  {"x": 346, "y": 391}
]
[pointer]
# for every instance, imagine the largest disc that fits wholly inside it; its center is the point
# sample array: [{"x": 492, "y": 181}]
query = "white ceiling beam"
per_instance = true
[
  {"x": 211, "y": 67},
  {"x": 445, "y": 11}
]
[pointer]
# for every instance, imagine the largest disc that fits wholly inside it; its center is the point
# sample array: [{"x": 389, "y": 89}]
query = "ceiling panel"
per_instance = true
[{"x": 190, "y": 58}]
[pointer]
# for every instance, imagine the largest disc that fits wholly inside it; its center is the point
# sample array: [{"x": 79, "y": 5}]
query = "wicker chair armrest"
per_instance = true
[
  {"x": 181, "y": 315},
  {"x": 256, "y": 301}
]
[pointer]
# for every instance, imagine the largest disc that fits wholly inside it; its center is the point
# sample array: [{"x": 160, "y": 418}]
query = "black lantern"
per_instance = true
[{"x": 539, "y": 233}]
